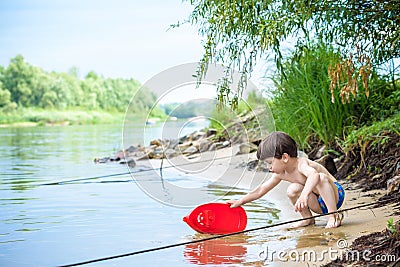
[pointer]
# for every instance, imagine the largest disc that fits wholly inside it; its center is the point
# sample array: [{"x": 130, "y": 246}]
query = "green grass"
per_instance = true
[
  {"x": 373, "y": 134},
  {"x": 34, "y": 116}
]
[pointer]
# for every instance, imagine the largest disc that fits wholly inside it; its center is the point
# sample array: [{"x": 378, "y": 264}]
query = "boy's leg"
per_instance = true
[
  {"x": 293, "y": 192},
  {"x": 329, "y": 193}
]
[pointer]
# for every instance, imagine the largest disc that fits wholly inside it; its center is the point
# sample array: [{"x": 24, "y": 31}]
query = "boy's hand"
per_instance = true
[
  {"x": 301, "y": 203},
  {"x": 234, "y": 203}
]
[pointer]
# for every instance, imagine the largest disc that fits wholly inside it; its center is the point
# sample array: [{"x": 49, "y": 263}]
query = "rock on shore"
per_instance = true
[{"x": 242, "y": 131}]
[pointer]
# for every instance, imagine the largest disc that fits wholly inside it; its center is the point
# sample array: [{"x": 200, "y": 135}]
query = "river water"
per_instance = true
[{"x": 52, "y": 225}]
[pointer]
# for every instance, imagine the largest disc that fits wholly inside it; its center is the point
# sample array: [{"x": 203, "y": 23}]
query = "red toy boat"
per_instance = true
[{"x": 217, "y": 218}]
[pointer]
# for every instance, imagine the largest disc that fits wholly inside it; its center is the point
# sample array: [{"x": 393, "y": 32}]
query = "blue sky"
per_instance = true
[{"x": 118, "y": 38}]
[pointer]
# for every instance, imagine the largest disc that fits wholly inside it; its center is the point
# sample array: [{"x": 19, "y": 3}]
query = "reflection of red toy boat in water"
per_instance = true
[
  {"x": 217, "y": 218},
  {"x": 217, "y": 251}
]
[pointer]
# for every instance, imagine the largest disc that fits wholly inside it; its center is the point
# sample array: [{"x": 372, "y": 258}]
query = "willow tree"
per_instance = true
[{"x": 239, "y": 32}]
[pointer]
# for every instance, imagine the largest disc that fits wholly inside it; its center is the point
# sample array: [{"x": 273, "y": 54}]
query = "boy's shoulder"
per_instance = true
[
  {"x": 302, "y": 161},
  {"x": 305, "y": 163}
]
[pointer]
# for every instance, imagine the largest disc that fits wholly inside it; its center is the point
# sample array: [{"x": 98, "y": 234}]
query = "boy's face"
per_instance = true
[{"x": 275, "y": 165}]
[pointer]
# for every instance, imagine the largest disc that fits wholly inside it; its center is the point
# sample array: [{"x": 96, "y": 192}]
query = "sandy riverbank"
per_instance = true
[
  {"x": 356, "y": 223},
  {"x": 226, "y": 168}
]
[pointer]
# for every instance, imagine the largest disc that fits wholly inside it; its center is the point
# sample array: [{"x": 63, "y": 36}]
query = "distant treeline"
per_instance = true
[
  {"x": 23, "y": 86},
  {"x": 190, "y": 109}
]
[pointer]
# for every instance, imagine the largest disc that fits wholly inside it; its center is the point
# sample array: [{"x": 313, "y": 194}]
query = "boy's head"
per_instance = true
[{"x": 275, "y": 144}]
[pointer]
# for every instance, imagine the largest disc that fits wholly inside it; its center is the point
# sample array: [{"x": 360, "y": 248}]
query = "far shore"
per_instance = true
[
  {"x": 32, "y": 117},
  {"x": 20, "y": 124}
]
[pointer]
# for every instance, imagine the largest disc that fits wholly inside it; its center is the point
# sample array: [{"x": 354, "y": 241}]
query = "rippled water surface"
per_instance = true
[{"x": 49, "y": 225}]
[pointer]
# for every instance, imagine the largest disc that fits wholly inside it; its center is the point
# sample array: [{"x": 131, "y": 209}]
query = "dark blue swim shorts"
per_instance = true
[{"x": 340, "y": 201}]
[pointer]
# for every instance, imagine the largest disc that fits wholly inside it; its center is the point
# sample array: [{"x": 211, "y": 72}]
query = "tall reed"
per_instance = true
[{"x": 302, "y": 104}]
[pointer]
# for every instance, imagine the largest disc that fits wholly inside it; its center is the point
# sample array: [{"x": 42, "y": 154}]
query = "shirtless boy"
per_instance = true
[{"x": 312, "y": 187}]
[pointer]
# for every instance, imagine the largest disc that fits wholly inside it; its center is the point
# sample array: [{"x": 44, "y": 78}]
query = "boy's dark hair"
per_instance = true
[{"x": 275, "y": 144}]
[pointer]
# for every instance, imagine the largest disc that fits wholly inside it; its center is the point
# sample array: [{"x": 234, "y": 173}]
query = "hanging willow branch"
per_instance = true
[{"x": 239, "y": 32}]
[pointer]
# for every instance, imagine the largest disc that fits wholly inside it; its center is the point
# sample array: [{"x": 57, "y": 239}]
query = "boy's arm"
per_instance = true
[
  {"x": 257, "y": 192},
  {"x": 311, "y": 182}
]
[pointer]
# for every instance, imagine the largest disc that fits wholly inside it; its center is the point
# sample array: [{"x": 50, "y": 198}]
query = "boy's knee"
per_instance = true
[
  {"x": 294, "y": 190},
  {"x": 323, "y": 178}
]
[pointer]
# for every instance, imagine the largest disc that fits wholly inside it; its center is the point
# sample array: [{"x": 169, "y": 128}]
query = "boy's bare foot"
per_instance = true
[
  {"x": 334, "y": 220},
  {"x": 302, "y": 223}
]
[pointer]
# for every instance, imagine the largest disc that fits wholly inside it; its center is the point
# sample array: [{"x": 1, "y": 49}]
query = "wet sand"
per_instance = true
[
  {"x": 328, "y": 244},
  {"x": 226, "y": 168}
]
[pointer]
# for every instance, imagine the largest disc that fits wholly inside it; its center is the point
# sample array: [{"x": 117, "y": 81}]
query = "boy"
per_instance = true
[{"x": 311, "y": 187}]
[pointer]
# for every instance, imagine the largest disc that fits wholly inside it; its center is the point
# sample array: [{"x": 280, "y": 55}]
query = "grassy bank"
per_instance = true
[{"x": 34, "y": 116}]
